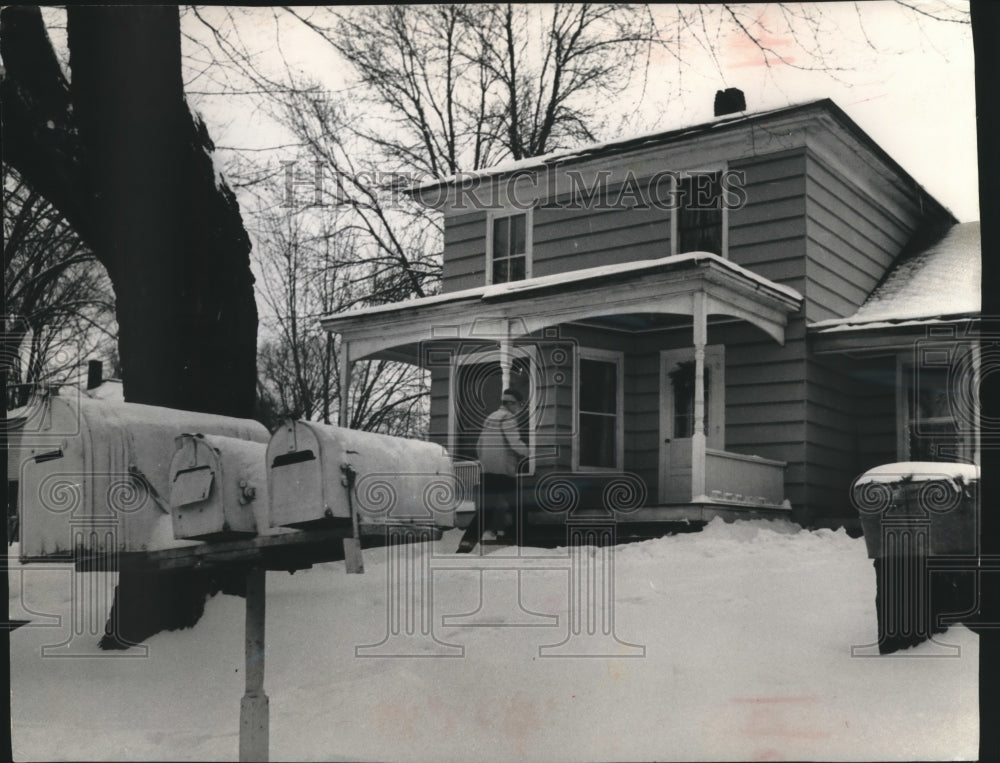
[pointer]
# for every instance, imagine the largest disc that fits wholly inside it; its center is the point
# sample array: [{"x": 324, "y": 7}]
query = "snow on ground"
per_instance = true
[{"x": 747, "y": 632}]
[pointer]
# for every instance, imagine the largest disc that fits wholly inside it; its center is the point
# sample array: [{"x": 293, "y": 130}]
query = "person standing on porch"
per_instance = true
[{"x": 500, "y": 450}]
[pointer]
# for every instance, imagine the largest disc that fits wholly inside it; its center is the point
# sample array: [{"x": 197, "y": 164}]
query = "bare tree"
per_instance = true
[
  {"x": 466, "y": 86},
  {"x": 59, "y": 303},
  {"x": 309, "y": 267}
]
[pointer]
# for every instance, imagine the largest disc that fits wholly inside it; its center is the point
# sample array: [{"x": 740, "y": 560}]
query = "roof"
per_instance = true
[
  {"x": 938, "y": 282},
  {"x": 647, "y": 140},
  {"x": 527, "y": 286}
]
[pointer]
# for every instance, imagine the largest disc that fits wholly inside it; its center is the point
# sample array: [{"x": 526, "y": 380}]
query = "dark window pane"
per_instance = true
[
  {"x": 517, "y": 234},
  {"x": 934, "y": 435},
  {"x": 682, "y": 380},
  {"x": 597, "y": 441},
  {"x": 501, "y": 239},
  {"x": 699, "y": 218},
  {"x": 516, "y": 269},
  {"x": 702, "y": 191},
  {"x": 598, "y": 386},
  {"x": 500, "y": 270}
]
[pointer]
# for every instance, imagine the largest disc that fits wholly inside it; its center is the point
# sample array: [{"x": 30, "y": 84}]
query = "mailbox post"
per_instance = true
[{"x": 254, "y": 709}]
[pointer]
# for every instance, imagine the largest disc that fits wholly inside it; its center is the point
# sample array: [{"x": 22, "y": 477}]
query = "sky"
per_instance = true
[{"x": 906, "y": 79}]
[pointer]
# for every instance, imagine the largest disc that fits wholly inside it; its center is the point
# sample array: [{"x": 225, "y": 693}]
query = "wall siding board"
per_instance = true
[
  {"x": 827, "y": 243},
  {"x": 831, "y": 247},
  {"x": 841, "y": 279},
  {"x": 831, "y": 438},
  {"x": 854, "y": 205},
  {"x": 778, "y": 212}
]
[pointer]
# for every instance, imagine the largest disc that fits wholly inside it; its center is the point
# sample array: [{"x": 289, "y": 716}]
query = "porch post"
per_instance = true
[
  {"x": 698, "y": 438},
  {"x": 505, "y": 360},
  {"x": 345, "y": 381}
]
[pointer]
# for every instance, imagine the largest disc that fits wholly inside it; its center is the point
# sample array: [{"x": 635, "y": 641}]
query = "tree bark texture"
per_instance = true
[{"x": 119, "y": 153}]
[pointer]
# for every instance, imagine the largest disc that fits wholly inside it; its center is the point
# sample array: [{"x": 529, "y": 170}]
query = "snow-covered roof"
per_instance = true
[
  {"x": 626, "y": 143},
  {"x": 528, "y": 285},
  {"x": 938, "y": 282}
]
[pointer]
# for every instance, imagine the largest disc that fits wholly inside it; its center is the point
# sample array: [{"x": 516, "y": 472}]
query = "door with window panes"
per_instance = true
[{"x": 677, "y": 379}]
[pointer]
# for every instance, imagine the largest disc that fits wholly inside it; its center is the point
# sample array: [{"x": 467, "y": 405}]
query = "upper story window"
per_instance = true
[
  {"x": 509, "y": 248},
  {"x": 700, "y": 219}
]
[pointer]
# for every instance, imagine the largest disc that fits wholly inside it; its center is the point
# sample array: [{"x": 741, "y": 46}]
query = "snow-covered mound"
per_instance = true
[{"x": 744, "y": 634}]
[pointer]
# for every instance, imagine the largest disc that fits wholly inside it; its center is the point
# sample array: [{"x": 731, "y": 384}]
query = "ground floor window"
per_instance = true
[
  {"x": 930, "y": 430},
  {"x": 599, "y": 410}
]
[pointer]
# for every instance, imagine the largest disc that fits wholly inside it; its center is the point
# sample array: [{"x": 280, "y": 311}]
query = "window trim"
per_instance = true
[
  {"x": 489, "y": 354},
  {"x": 618, "y": 358},
  {"x": 721, "y": 168},
  {"x": 493, "y": 215}
]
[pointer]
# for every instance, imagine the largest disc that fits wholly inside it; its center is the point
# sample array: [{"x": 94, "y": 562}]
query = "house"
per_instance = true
[{"x": 736, "y": 318}]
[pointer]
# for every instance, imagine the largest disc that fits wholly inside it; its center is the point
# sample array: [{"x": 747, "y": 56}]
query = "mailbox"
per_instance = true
[
  {"x": 938, "y": 499},
  {"x": 218, "y": 488},
  {"x": 95, "y": 474},
  {"x": 320, "y": 474},
  {"x": 910, "y": 513}
]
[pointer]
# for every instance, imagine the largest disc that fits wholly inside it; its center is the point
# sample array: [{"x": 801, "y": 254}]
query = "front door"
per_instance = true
[
  {"x": 477, "y": 384},
  {"x": 677, "y": 416}
]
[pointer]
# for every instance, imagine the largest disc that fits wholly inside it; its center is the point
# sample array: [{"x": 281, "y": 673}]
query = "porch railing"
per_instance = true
[
  {"x": 470, "y": 476},
  {"x": 742, "y": 479}
]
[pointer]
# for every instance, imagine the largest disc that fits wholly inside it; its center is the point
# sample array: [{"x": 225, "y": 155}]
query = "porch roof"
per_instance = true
[{"x": 504, "y": 311}]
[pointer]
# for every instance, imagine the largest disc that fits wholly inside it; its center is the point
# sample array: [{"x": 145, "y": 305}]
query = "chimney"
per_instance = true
[
  {"x": 729, "y": 101},
  {"x": 95, "y": 371}
]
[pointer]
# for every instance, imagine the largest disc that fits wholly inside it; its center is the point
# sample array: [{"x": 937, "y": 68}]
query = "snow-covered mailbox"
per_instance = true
[
  {"x": 914, "y": 515},
  {"x": 218, "y": 488},
  {"x": 322, "y": 475},
  {"x": 95, "y": 476}
]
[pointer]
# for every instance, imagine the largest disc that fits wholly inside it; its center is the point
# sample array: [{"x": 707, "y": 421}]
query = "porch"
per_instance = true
[
  {"x": 737, "y": 486},
  {"x": 575, "y": 342}
]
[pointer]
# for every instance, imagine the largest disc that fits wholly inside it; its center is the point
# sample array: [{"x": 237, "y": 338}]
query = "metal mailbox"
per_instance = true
[
  {"x": 320, "y": 474},
  {"x": 938, "y": 499},
  {"x": 912, "y": 514},
  {"x": 95, "y": 475},
  {"x": 218, "y": 488}
]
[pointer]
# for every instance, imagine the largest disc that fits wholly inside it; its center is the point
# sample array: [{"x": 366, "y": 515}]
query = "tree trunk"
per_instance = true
[{"x": 119, "y": 153}]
